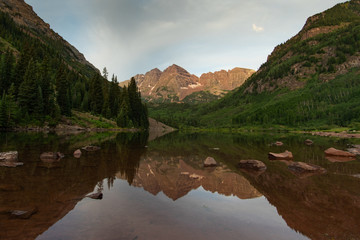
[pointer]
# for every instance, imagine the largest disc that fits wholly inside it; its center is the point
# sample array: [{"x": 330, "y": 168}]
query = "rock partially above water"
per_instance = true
[
  {"x": 252, "y": 164},
  {"x": 97, "y": 196},
  {"x": 278, "y": 143},
  {"x": 9, "y": 156},
  {"x": 9, "y": 159},
  {"x": 51, "y": 156},
  {"x": 77, "y": 153},
  {"x": 210, "y": 162},
  {"x": 339, "y": 153},
  {"x": 281, "y": 156},
  {"x": 308, "y": 142},
  {"x": 91, "y": 148}
]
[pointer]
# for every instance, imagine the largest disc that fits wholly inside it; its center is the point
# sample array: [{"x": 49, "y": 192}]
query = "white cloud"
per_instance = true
[
  {"x": 257, "y": 28},
  {"x": 130, "y": 37}
]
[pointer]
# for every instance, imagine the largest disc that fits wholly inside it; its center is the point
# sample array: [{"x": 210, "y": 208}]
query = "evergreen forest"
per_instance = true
[{"x": 39, "y": 84}]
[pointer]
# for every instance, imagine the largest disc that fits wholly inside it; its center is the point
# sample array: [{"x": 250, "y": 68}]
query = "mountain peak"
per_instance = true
[{"x": 175, "y": 83}]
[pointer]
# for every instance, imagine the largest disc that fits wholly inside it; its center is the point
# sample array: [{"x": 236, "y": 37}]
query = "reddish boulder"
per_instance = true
[
  {"x": 338, "y": 153},
  {"x": 210, "y": 162},
  {"x": 281, "y": 156},
  {"x": 77, "y": 153}
]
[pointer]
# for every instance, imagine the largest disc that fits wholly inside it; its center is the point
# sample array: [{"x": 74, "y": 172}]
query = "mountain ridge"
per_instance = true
[
  {"x": 24, "y": 15},
  {"x": 174, "y": 84}
]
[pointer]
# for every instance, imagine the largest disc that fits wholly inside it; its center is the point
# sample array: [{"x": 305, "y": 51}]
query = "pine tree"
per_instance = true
[
  {"x": 28, "y": 91},
  {"x": 62, "y": 97},
  {"x": 96, "y": 94},
  {"x": 6, "y": 70}
]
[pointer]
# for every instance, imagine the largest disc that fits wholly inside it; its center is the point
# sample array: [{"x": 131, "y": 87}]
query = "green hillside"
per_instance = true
[
  {"x": 311, "y": 81},
  {"x": 43, "y": 78}
]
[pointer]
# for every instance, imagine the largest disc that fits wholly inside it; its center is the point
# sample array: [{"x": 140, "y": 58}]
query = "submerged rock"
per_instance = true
[
  {"x": 252, "y": 164},
  {"x": 340, "y": 159},
  {"x": 301, "y": 167},
  {"x": 11, "y": 164},
  {"x": 281, "y": 156},
  {"x": 308, "y": 142},
  {"x": 9, "y": 188},
  {"x": 97, "y": 196},
  {"x": 9, "y": 156},
  {"x": 210, "y": 162},
  {"x": 196, "y": 177},
  {"x": 91, "y": 148},
  {"x": 23, "y": 214},
  {"x": 77, "y": 153},
  {"x": 339, "y": 153},
  {"x": 51, "y": 156}
]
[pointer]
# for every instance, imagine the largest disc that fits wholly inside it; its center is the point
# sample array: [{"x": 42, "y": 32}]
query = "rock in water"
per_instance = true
[
  {"x": 301, "y": 167},
  {"x": 23, "y": 214},
  {"x": 278, "y": 143},
  {"x": 97, "y": 196},
  {"x": 77, "y": 153},
  {"x": 210, "y": 162},
  {"x": 308, "y": 142},
  {"x": 252, "y": 164},
  {"x": 9, "y": 159},
  {"x": 91, "y": 148},
  {"x": 51, "y": 156},
  {"x": 339, "y": 153},
  {"x": 281, "y": 156},
  {"x": 9, "y": 156}
]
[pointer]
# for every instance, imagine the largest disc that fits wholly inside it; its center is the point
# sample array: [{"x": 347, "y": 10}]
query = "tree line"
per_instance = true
[{"x": 38, "y": 85}]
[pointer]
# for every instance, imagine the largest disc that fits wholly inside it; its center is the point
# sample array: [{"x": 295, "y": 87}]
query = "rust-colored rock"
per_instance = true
[
  {"x": 338, "y": 153},
  {"x": 281, "y": 156},
  {"x": 210, "y": 162},
  {"x": 77, "y": 153},
  {"x": 339, "y": 159},
  {"x": 278, "y": 143},
  {"x": 175, "y": 83},
  {"x": 252, "y": 164}
]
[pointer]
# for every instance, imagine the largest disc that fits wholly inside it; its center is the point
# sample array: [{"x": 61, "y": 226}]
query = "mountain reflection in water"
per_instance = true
[{"x": 186, "y": 200}]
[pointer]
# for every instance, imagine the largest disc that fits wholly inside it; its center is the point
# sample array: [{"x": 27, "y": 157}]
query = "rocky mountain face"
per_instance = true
[
  {"x": 175, "y": 83},
  {"x": 327, "y": 46},
  {"x": 23, "y": 14},
  {"x": 175, "y": 177}
]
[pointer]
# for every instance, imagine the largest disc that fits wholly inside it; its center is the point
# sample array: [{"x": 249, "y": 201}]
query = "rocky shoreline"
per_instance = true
[{"x": 335, "y": 134}]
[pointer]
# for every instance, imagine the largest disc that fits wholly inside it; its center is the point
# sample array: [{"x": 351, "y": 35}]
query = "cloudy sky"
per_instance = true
[{"x": 134, "y": 36}]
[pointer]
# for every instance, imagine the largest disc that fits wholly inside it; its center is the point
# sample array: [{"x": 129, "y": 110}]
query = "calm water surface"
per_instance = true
[{"x": 160, "y": 190}]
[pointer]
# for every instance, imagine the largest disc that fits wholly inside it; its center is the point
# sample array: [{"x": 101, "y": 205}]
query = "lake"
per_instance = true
[{"x": 159, "y": 189}]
